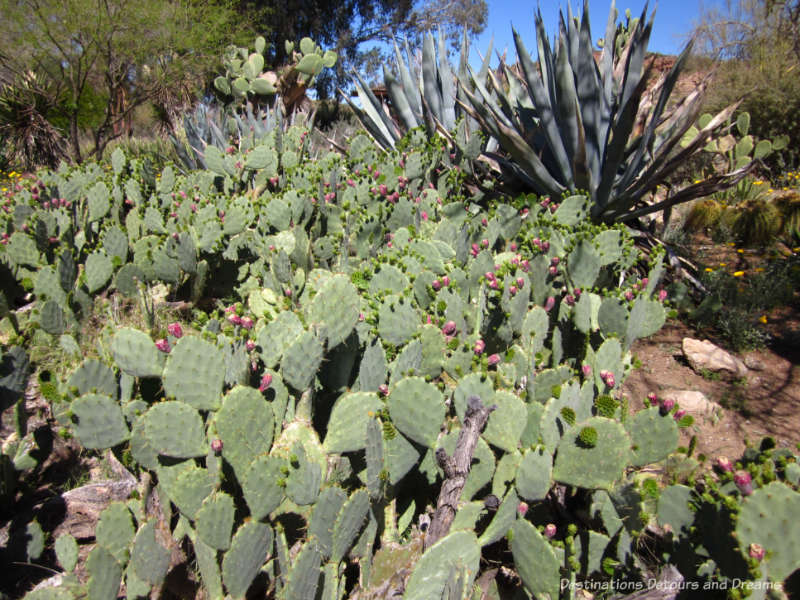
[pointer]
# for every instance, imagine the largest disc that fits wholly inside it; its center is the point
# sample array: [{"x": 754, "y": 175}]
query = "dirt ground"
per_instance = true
[{"x": 766, "y": 402}]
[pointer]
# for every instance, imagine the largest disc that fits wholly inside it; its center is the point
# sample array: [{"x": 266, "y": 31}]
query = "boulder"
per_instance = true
[
  {"x": 695, "y": 403},
  {"x": 705, "y": 355}
]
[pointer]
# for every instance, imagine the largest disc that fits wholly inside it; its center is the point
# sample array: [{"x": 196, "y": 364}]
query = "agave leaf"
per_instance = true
[
  {"x": 516, "y": 146},
  {"x": 410, "y": 89},
  {"x": 636, "y": 164},
  {"x": 484, "y": 70},
  {"x": 566, "y": 102},
  {"x": 639, "y": 40},
  {"x": 543, "y": 106},
  {"x": 589, "y": 96},
  {"x": 447, "y": 82},
  {"x": 374, "y": 109},
  {"x": 606, "y": 68},
  {"x": 615, "y": 150},
  {"x": 710, "y": 185},
  {"x": 571, "y": 34},
  {"x": 374, "y": 126},
  {"x": 399, "y": 100},
  {"x": 658, "y": 171},
  {"x": 430, "y": 78},
  {"x": 507, "y": 102},
  {"x": 545, "y": 54}
]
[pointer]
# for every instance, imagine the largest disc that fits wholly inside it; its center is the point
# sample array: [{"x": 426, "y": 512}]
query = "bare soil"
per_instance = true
[{"x": 766, "y": 403}]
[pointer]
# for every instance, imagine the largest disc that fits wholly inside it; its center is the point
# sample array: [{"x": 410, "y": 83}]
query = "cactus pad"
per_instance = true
[
  {"x": 398, "y": 321},
  {"x": 305, "y": 573},
  {"x": 187, "y": 485},
  {"x": 459, "y": 551},
  {"x": 98, "y": 271},
  {"x": 674, "y": 509},
  {"x": 245, "y": 424},
  {"x": 175, "y": 429},
  {"x": 94, "y": 376},
  {"x": 115, "y": 531},
  {"x": 194, "y": 373},
  {"x": 535, "y": 560},
  {"x": 66, "y": 551},
  {"x": 301, "y": 360},
  {"x": 214, "y": 520},
  {"x": 260, "y": 485},
  {"x": 349, "y": 522},
  {"x": 372, "y": 370},
  {"x": 534, "y": 475},
  {"x": 507, "y": 422},
  {"x": 105, "y": 574},
  {"x": 417, "y": 409},
  {"x": 327, "y": 508},
  {"x": 248, "y": 552},
  {"x": 335, "y": 308},
  {"x": 654, "y": 436},
  {"x": 276, "y": 336},
  {"x": 347, "y": 426},
  {"x": 136, "y": 354},
  {"x": 149, "y": 559},
  {"x": 592, "y": 467},
  {"x": 100, "y": 423},
  {"x": 768, "y": 517}
]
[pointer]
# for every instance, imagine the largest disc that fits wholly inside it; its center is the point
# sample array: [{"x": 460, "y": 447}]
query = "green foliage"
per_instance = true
[
  {"x": 739, "y": 517},
  {"x": 298, "y": 420}
]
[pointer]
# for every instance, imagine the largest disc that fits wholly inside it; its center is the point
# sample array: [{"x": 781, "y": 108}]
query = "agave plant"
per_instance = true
[
  {"x": 420, "y": 96},
  {"x": 216, "y": 126},
  {"x": 575, "y": 123}
]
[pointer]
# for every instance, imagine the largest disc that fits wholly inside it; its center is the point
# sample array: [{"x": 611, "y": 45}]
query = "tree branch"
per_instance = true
[{"x": 456, "y": 468}]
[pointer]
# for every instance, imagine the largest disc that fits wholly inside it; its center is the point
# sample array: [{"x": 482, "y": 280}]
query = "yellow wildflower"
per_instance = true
[
  {"x": 763, "y": 319},
  {"x": 759, "y": 269},
  {"x": 740, "y": 251},
  {"x": 722, "y": 264},
  {"x": 759, "y": 182},
  {"x": 709, "y": 270},
  {"x": 738, "y": 273}
]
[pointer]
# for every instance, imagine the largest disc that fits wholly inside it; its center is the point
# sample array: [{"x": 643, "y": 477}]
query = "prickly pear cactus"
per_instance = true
[{"x": 292, "y": 341}]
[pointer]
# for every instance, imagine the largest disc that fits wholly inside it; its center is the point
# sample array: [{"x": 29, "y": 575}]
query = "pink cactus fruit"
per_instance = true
[
  {"x": 724, "y": 464},
  {"x": 756, "y": 551},
  {"x": 744, "y": 482},
  {"x": 163, "y": 345},
  {"x": 480, "y": 346},
  {"x": 216, "y": 445},
  {"x": 449, "y": 328},
  {"x": 550, "y": 531},
  {"x": 175, "y": 330},
  {"x": 494, "y": 359},
  {"x": 266, "y": 381}
]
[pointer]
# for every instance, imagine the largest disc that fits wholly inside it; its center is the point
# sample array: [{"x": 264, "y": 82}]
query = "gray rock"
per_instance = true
[
  {"x": 705, "y": 355},
  {"x": 751, "y": 362},
  {"x": 693, "y": 402}
]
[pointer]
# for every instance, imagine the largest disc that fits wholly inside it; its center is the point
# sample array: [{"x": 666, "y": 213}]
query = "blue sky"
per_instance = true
[{"x": 673, "y": 21}]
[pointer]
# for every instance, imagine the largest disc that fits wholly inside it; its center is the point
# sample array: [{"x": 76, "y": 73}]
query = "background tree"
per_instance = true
[
  {"x": 355, "y": 29},
  {"x": 119, "y": 54},
  {"x": 759, "y": 44}
]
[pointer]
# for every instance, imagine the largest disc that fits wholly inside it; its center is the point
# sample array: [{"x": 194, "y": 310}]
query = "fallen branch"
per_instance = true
[{"x": 456, "y": 469}]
